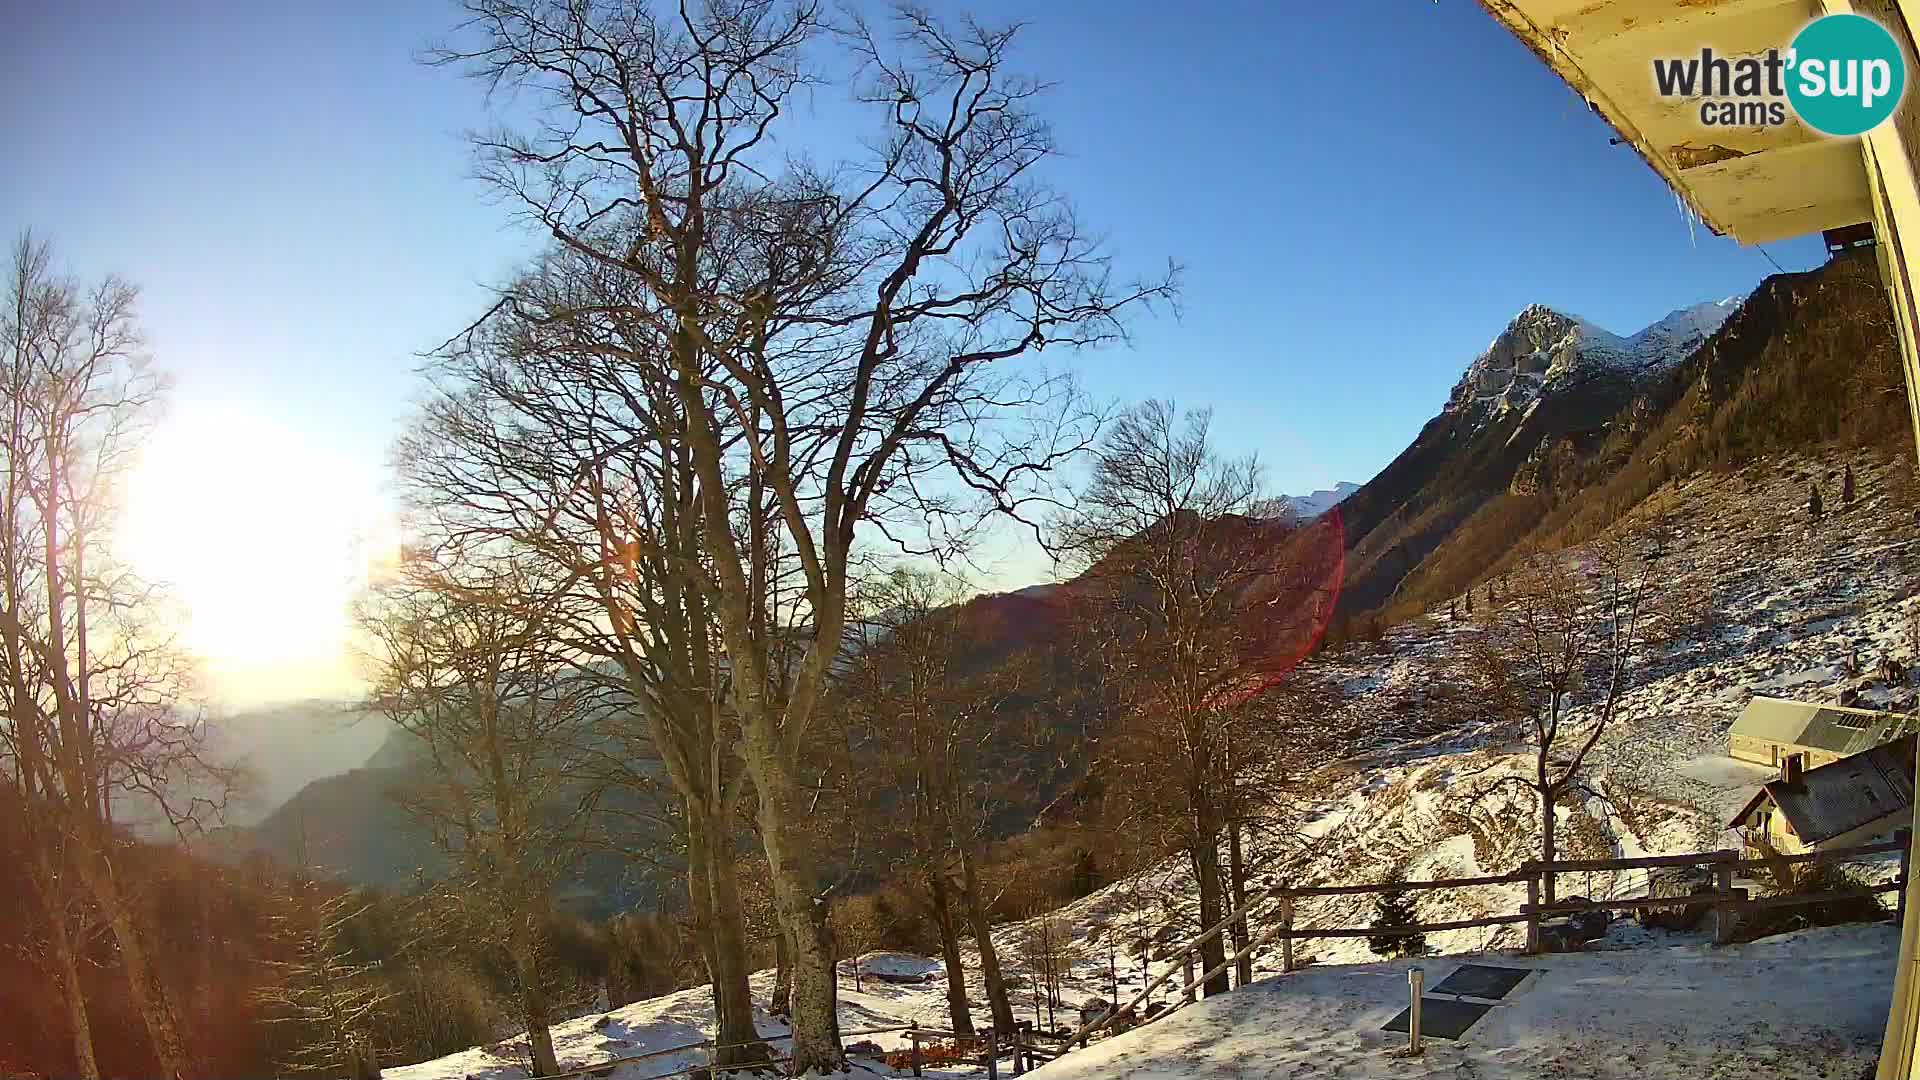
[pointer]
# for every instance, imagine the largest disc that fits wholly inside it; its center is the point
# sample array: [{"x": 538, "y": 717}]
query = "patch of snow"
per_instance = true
[
  {"x": 1778, "y": 1008},
  {"x": 1310, "y": 506}
]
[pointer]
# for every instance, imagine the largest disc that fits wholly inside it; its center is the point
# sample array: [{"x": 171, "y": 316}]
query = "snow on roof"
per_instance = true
[
  {"x": 1844, "y": 795},
  {"x": 1834, "y": 728}
]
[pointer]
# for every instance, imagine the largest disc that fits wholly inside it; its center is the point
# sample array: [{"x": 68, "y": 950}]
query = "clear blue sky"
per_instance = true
[{"x": 1362, "y": 196}]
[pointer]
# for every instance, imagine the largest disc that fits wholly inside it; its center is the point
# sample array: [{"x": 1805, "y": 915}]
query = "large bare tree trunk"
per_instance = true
[
  {"x": 143, "y": 981},
  {"x": 716, "y": 900},
  {"x": 85, "y": 1066},
  {"x": 781, "y": 1003},
  {"x": 950, "y": 952},
  {"x": 533, "y": 996},
  {"x": 801, "y": 918},
  {"x": 983, "y": 940},
  {"x": 1237, "y": 893},
  {"x": 1206, "y": 868}
]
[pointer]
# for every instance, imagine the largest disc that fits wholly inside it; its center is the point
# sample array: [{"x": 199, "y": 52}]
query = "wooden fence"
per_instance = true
[
  {"x": 1028, "y": 1049},
  {"x": 1727, "y": 901}
]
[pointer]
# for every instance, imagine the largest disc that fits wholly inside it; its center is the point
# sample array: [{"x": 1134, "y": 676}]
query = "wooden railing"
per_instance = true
[
  {"x": 1027, "y": 1049},
  {"x": 1727, "y": 901}
]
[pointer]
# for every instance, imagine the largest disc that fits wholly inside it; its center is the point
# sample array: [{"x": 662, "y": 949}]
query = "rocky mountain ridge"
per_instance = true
[{"x": 1543, "y": 350}]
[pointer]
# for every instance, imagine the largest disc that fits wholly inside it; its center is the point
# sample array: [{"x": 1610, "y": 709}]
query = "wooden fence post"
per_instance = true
[
  {"x": 993, "y": 1054},
  {"x": 1186, "y": 990},
  {"x": 1532, "y": 910},
  {"x": 1723, "y": 910},
  {"x": 1905, "y": 837},
  {"x": 915, "y": 1036},
  {"x": 1286, "y": 933}
]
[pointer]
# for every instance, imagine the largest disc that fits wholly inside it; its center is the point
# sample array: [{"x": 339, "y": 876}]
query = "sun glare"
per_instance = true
[{"x": 260, "y": 538}]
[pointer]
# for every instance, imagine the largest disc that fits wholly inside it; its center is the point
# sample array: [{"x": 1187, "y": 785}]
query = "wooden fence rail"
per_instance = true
[{"x": 1728, "y": 902}]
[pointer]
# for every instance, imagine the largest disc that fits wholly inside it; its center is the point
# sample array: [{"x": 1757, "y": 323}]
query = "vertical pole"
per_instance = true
[
  {"x": 1186, "y": 985},
  {"x": 1286, "y": 933},
  {"x": 1533, "y": 910},
  {"x": 1416, "y": 980},
  {"x": 993, "y": 1055},
  {"x": 1905, "y": 838},
  {"x": 1723, "y": 911}
]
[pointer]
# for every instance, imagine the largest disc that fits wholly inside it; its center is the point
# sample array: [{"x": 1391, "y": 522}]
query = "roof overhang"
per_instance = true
[{"x": 1755, "y": 184}]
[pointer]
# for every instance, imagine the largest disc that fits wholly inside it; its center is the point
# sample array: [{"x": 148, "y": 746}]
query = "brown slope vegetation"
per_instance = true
[{"x": 219, "y": 948}]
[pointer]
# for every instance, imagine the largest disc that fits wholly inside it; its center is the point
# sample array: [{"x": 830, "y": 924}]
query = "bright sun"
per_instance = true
[{"x": 260, "y": 537}]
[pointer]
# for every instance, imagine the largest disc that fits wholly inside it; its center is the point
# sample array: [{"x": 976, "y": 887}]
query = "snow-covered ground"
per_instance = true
[
  {"x": 1803, "y": 1005},
  {"x": 685, "y": 1018},
  {"x": 1796, "y": 607}
]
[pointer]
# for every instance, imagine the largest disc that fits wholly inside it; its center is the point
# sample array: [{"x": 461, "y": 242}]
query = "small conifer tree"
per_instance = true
[
  {"x": 1396, "y": 912},
  {"x": 1814, "y": 509},
  {"x": 1846, "y": 487}
]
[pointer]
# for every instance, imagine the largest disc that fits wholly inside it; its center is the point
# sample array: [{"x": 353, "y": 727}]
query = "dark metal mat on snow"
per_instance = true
[
  {"x": 1481, "y": 981},
  {"x": 1442, "y": 1018}
]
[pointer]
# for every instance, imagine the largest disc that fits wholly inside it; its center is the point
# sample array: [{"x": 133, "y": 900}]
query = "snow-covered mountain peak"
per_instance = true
[
  {"x": 1682, "y": 331},
  {"x": 1310, "y": 506},
  {"x": 1543, "y": 349}
]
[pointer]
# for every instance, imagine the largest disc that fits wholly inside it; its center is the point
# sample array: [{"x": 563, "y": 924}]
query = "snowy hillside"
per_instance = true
[
  {"x": 1543, "y": 350},
  {"x": 1797, "y": 604}
]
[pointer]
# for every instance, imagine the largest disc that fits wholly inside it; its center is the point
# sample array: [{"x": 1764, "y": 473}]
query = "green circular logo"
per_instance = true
[{"x": 1846, "y": 74}]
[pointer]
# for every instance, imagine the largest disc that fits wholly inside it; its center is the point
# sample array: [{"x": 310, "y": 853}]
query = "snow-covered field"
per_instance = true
[
  {"x": 1803, "y": 1005},
  {"x": 684, "y": 1018},
  {"x": 1799, "y": 609}
]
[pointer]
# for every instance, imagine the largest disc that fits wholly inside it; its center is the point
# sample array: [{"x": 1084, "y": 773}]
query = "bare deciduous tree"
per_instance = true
[
  {"x": 1192, "y": 609},
  {"x": 462, "y": 660},
  {"x": 831, "y": 335},
  {"x": 98, "y": 713},
  {"x": 531, "y": 441},
  {"x": 1557, "y": 654},
  {"x": 938, "y": 752},
  {"x": 1049, "y": 951},
  {"x": 321, "y": 991}
]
